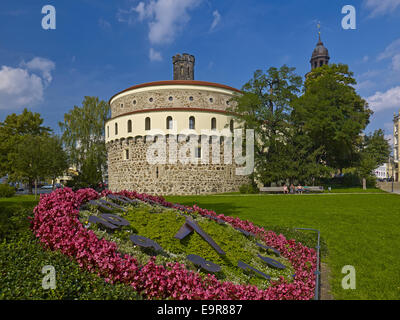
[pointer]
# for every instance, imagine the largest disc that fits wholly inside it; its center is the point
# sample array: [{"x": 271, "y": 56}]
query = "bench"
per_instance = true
[
  {"x": 314, "y": 189},
  {"x": 271, "y": 189},
  {"x": 280, "y": 189}
]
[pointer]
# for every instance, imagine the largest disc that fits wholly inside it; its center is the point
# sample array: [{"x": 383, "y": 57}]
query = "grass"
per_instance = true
[
  {"x": 354, "y": 190},
  {"x": 362, "y": 230}
]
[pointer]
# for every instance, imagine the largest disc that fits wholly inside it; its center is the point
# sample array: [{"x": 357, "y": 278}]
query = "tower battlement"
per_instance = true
[{"x": 183, "y": 66}]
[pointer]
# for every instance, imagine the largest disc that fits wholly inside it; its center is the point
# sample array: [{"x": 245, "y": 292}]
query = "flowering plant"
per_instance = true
[{"x": 57, "y": 226}]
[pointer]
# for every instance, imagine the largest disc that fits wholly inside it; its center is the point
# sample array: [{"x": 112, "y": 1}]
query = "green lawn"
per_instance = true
[{"x": 362, "y": 230}]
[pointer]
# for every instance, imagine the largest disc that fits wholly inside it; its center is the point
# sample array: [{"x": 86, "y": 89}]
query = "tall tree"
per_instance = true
[
  {"x": 13, "y": 130},
  {"x": 55, "y": 157},
  {"x": 374, "y": 151},
  {"x": 265, "y": 106},
  {"x": 28, "y": 160},
  {"x": 333, "y": 114},
  {"x": 83, "y": 135}
]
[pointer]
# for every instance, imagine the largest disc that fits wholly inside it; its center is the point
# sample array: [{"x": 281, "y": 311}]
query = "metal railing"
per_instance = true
[{"x": 317, "y": 272}]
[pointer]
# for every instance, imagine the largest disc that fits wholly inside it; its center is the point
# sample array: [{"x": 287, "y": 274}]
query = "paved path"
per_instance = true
[{"x": 387, "y": 186}]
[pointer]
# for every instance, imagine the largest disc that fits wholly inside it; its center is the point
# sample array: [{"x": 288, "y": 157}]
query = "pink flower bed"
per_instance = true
[{"x": 57, "y": 226}]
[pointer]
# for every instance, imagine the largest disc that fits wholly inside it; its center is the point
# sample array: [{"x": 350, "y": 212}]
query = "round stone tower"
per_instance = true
[
  {"x": 173, "y": 111},
  {"x": 183, "y": 66}
]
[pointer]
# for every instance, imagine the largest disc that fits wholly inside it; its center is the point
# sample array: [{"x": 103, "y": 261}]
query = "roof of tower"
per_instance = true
[{"x": 320, "y": 50}]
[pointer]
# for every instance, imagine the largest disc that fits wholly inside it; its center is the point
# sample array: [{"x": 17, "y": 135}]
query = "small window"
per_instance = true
[
  {"x": 170, "y": 98},
  {"x": 169, "y": 123},
  {"x": 231, "y": 125},
  {"x": 108, "y": 131},
  {"x": 157, "y": 172},
  {"x": 129, "y": 125},
  {"x": 227, "y": 102},
  {"x": 192, "y": 123},
  {"x": 151, "y": 99},
  {"x": 134, "y": 102},
  {"x": 211, "y": 100},
  {"x": 116, "y": 128},
  {"x": 191, "y": 98},
  {"x": 122, "y": 105},
  {"x": 126, "y": 154},
  {"x": 198, "y": 153},
  {"x": 147, "y": 124},
  {"x": 213, "y": 124}
]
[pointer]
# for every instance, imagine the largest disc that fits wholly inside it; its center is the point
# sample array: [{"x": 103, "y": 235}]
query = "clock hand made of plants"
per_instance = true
[{"x": 201, "y": 242}]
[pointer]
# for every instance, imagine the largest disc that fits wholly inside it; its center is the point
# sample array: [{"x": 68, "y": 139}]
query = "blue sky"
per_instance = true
[{"x": 102, "y": 47}]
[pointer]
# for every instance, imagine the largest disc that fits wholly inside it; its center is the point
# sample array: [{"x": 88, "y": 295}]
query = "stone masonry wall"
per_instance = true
[
  {"x": 167, "y": 179},
  {"x": 181, "y": 98}
]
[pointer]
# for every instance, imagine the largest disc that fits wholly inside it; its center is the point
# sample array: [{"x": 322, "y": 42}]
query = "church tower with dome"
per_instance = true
[{"x": 320, "y": 55}]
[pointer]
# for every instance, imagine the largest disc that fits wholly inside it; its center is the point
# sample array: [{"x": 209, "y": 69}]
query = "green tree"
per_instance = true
[
  {"x": 83, "y": 136},
  {"x": 265, "y": 106},
  {"x": 374, "y": 152},
  {"x": 333, "y": 114},
  {"x": 55, "y": 157},
  {"x": 29, "y": 164},
  {"x": 12, "y": 131}
]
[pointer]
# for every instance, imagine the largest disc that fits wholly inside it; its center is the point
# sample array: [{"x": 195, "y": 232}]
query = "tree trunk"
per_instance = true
[
  {"x": 30, "y": 186},
  {"x": 364, "y": 184},
  {"x": 35, "y": 188}
]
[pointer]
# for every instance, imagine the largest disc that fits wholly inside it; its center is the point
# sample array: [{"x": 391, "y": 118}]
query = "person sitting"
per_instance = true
[
  {"x": 285, "y": 189},
  {"x": 300, "y": 189},
  {"x": 292, "y": 188}
]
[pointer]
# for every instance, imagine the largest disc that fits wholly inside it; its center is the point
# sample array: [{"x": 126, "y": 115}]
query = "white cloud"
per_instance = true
[
  {"x": 155, "y": 55},
  {"x": 385, "y": 100},
  {"x": 165, "y": 17},
  {"x": 45, "y": 66},
  {"x": 216, "y": 21},
  {"x": 392, "y": 51},
  {"x": 21, "y": 87},
  {"x": 363, "y": 85},
  {"x": 381, "y": 7},
  {"x": 396, "y": 62}
]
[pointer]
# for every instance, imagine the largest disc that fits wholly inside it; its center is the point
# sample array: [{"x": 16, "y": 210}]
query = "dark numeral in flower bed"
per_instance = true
[
  {"x": 206, "y": 265},
  {"x": 114, "y": 219},
  {"x": 102, "y": 207},
  {"x": 189, "y": 226},
  {"x": 111, "y": 204},
  {"x": 246, "y": 233},
  {"x": 122, "y": 199},
  {"x": 272, "y": 262},
  {"x": 145, "y": 242},
  {"x": 215, "y": 219},
  {"x": 103, "y": 222},
  {"x": 245, "y": 267},
  {"x": 266, "y": 248}
]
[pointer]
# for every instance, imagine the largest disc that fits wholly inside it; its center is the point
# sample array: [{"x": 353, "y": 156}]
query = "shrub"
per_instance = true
[
  {"x": 249, "y": 188},
  {"x": 348, "y": 180},
  {"x": 21, "y": 261},
  {"x": 6, "y": 191}
]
